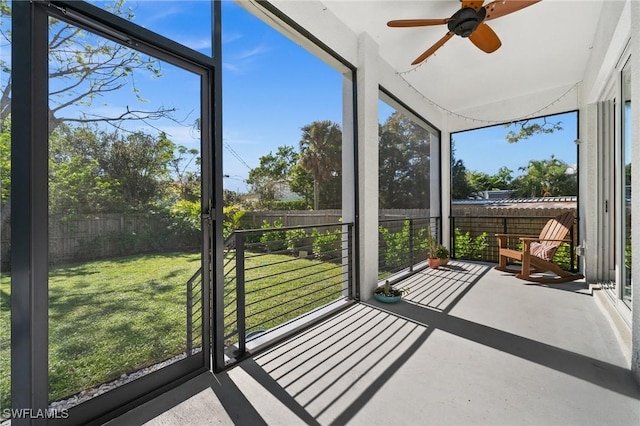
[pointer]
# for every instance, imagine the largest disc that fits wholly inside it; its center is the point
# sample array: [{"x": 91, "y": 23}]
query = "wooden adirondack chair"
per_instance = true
[{"x": 537, "y": 253}]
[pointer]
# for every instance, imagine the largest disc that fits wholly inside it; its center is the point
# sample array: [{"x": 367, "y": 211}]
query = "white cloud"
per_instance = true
[
  {"x": 229, "y": 37},
  {"x": 243, "y": 61},
  {"x": 201, "y": 43}
]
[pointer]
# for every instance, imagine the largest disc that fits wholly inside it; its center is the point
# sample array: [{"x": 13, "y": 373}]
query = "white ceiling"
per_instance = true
[{"x": 544, "y": 46}]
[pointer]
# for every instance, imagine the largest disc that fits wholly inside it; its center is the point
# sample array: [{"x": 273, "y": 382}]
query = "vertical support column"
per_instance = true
[
  {"x": 29, "y": 176},
  {"x": 444, "y": 177},
  {"x": 635, "y": 178},
  {"x": 367, "y": 127},
  {"x": 216, "y": 288},
  {"x": 589, "y": 199},
  {"x": 349, "y": 179}
]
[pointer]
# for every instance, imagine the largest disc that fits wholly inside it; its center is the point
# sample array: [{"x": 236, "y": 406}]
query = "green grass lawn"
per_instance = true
[{"x": 116, "y": 316}]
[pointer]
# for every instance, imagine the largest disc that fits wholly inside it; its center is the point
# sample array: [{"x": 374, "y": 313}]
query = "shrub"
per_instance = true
[
  {"x": 273, "y": 240},
  {"x": 396, "y": 246},
  {"x": 468, "y": 247},
  {"x": 233, "y": 214},
  {"x": 289, "y": 205},
  {"x": 326, "y": 245},
  {"x": 295, "y": 238}
]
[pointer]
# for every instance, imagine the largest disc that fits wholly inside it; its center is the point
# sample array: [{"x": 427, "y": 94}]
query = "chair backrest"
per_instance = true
[{"x": 555, "y": 229}]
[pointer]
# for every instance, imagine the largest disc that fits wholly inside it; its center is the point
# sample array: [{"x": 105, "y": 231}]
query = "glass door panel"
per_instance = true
[
  {"x": 125, "y": 233},
  {"x": 626, "y": 140}
]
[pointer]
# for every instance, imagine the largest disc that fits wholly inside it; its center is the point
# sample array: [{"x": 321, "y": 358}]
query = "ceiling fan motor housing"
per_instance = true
[{"x": 466, "y": 20}]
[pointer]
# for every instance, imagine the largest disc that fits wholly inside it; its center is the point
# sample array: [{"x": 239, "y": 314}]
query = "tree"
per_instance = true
[
  {"x": 93, "y": 171},
  {"x": 301, "y": 182},
  {"x": 321, "y": 155},
  {"x": 480, "y": 181},
  {"x": 404, "y": 170},
  {"x": 274, "y": 170},
  {"x": 460, "y": 188},
  {"x": 186, "y": 182},
  {"x": 503, "y": 179},
  {"x": 82, "y": 68},
  {"x": 528, "y": 129},
  {"x": 546, "y": 178}
]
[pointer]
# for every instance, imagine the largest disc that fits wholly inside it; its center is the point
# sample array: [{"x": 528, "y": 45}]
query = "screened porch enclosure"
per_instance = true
[{"x": 130, "y": 269}]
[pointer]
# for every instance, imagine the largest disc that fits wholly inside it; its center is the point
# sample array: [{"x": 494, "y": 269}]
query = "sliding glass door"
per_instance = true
[
  {"x": 625, "y": 290},
  {"x": 128, "y": 179}
]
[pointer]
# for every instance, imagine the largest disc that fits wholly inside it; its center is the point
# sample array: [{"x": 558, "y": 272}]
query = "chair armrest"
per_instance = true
[
  {"x": 516, "y": 236},
  {"x": 530, "y": 239}
]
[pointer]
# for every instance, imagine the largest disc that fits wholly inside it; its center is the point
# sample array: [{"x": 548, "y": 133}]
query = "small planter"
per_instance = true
[
  {"x": 444, "y": 261},
  {"x": 388, "y": 294},
  {"x": 434, "y": 262},
  {"x": 387, "y": 299}
]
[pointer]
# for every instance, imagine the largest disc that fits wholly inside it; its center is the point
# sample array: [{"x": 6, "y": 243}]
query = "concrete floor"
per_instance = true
[{"x": 468, "y": 346}]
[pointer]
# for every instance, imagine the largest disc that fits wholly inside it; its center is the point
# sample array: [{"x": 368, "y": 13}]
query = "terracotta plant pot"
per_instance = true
[{"x": 434, "y": 263}]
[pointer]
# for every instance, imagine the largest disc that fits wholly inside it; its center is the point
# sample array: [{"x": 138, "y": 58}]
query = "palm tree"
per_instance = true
[
  {"x": 321, "y": 153},
  {"x": 546, "y": 178}
]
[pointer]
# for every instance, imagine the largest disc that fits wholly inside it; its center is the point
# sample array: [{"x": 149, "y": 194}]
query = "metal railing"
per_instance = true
[
  {"x": 194, "y": 313},
  {"x": 402, "y": 243},
  {"x": 275, "y": 275},
  {"x": 473, "y": 237}
]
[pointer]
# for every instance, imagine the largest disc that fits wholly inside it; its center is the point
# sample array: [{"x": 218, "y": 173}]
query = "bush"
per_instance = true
[
  {"x": 326, "y": 245},
  {"x": 562, "y": 257},
  {"x": 468, "y": 247},
  {"x": 396, "y": 246},
  {"x": 289, "y": 205},
  {"x": 186, "y": 214},
  {"x": 295, "y": 238},
  {"x": 233, "y": 214},
  {"x": 273, "y": 240}
]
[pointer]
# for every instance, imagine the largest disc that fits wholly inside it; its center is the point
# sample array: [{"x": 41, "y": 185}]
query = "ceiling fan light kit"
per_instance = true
[
  {"x": 468, "y": 22},
  {"x": 465, "y": 21}
]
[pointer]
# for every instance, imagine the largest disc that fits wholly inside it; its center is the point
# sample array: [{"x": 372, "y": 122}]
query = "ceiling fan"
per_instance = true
[{"x": 469, "y": 22}]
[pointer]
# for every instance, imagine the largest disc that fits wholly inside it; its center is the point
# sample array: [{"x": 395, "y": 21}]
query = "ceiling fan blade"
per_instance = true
[
  {"x": 499, "y": 8},
  {"x": 417, "y": 22},
  {"x": 485, "y": 38},
  {"x": 433, "y": 48},
  {"x": 473, "y": 4}
]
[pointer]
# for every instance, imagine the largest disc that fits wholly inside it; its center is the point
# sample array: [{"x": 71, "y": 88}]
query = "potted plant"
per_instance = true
[
  {"x": 388, "y": 294},
  {"x": 443, "y": 254},
  {"x": 432, "y": 256}
]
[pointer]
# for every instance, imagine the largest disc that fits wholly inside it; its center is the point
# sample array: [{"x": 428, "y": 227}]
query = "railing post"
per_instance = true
[
  {"x": 189, "y": 317},
  {"x": 452, "y": 236},
  {"x": 411, "y": 251},
  {"x": 351, "y": 281},
  {"x": 571, "y": 250},
  {"x": 240, "y": 294}
]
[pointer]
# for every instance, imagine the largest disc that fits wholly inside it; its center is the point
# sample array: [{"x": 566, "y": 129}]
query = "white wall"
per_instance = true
[{"x": 635, "y": 182}]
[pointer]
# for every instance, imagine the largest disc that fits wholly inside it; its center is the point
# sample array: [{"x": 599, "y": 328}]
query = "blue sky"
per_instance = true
[
  {"x": 486, "y": 149},
  {"x": 272, "y": 87}
]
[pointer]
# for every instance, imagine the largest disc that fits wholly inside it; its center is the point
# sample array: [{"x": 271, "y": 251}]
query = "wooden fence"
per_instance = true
[
  {"x": 100, "y": 236},
  {"x": 108, "y": 235}
]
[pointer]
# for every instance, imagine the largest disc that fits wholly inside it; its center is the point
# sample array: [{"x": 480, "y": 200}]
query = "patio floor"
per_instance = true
[{"x": 468, "y": 345}]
